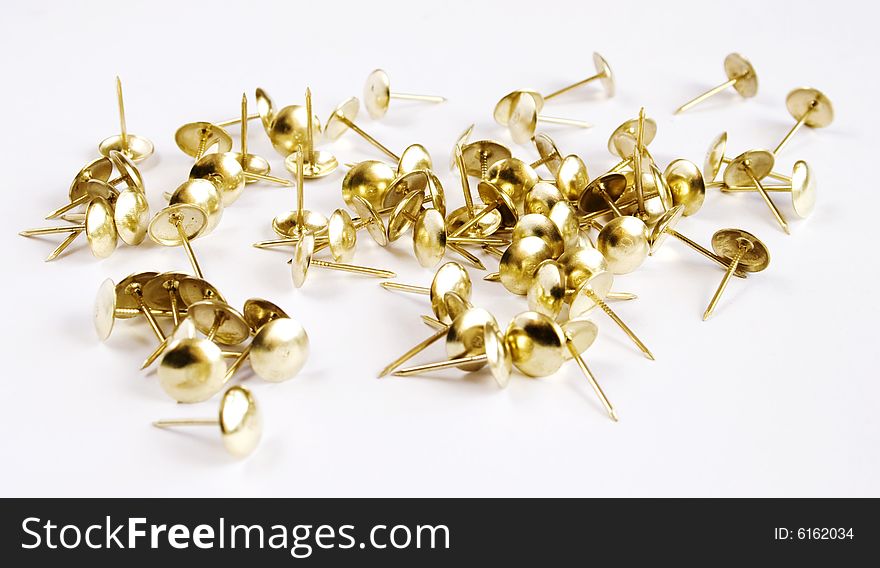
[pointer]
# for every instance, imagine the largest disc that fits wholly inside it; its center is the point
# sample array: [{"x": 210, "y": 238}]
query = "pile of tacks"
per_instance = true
[{"x": 540, "y": 229}]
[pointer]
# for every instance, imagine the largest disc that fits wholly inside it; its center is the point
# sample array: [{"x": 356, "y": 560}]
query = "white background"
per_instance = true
[{"x": 776, "y": 395}]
